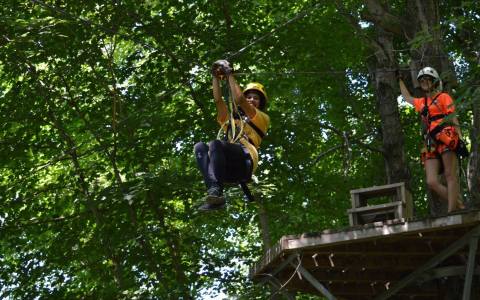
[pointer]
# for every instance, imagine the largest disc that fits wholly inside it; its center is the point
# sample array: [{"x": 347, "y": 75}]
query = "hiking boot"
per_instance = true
[
  {"x": 215, "y": 196},
  {"x": 211, "y": 207}
]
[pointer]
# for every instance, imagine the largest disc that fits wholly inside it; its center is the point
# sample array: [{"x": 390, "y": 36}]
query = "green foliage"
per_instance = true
[{"x": 101, "y": 104}]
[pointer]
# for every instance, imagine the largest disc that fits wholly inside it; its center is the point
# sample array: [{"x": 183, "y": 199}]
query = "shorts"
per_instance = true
[{"x": 445, "y": 140}]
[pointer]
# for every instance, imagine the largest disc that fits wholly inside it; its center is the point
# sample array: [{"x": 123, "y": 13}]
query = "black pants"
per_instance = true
[{"x": 222, "y": 162}]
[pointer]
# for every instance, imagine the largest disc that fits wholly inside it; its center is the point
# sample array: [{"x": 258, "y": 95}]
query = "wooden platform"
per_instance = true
[{"x": 375, "y": 260}]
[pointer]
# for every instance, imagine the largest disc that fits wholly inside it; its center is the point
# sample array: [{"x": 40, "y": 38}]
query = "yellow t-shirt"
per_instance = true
[{"x": 262, "y": 121}]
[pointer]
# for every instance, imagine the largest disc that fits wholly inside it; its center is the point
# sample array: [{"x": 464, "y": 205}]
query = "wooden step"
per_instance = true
[
  {"x": 399, "y": 203},
  {"x": 379, "y": 207}
]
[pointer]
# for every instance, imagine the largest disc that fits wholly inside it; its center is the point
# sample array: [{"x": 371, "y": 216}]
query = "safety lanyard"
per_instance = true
[{"x": 231, "y": 132}]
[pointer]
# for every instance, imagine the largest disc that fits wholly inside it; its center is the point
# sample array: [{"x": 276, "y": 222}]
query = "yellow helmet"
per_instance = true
[{"x": 255, "y": 86}]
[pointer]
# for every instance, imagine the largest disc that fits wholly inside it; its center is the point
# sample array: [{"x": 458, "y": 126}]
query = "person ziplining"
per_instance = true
[
  {"x": 244, "y": 122},
  {"x": 442, "y": 136}
]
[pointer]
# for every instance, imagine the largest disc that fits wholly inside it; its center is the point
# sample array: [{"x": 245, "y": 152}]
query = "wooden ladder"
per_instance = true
[{"x": 400, "y": 205}]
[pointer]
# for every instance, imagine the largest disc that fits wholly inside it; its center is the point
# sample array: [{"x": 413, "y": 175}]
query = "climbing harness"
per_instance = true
[
  {"x": 430, "y": 135},
  {"x": 443, "y": 132}
]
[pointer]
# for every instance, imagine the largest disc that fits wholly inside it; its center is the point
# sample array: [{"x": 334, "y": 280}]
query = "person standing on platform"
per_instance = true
[{"x": 442, "y": 134}]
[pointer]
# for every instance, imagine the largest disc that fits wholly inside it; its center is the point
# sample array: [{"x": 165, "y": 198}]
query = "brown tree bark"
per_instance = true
[
  {"x": 473, "y": 170},
  {"x": 263, "y": 223},
  {"x": 386, "y": 89},
  {"x": 465, "y": 37}
]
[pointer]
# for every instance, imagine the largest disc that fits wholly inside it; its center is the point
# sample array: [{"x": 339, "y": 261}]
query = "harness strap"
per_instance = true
[
  {"x": 461, "y": 148},
  {"x": 437, "y": 117},
  {"x": 257, "y": 130},
  {"x": 427, "y": 119},
  {"x": 249, "y": 122},
  {"x": 250, "y": 141},
  {"x": 436, "y": 130},
  {"x": 247, "y": 192},
  {"x": 238, "y": 139},
  {"x": 243, "y": 118},
  {"x": 243, "y": 184}
]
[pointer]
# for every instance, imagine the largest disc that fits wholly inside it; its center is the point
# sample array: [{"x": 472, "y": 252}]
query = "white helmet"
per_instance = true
[{"x": 429, "y": 71}]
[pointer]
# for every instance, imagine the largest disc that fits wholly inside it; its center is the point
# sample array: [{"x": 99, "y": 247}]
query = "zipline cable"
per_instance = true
[
  {"x": 307, "y": 74},
  {"x": 298, "y": 16},
  {"x": 109, "y": 31}
]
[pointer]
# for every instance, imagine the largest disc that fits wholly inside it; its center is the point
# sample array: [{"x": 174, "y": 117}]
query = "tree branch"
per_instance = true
[
  {"x": 347, "y": 142},
  {"x": 379, "y": 15}
]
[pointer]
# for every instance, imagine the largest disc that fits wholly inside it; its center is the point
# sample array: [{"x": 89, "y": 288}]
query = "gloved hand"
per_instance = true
[
  {"x": 221, "y": 68},
  {"x": 398, "y": 74}
]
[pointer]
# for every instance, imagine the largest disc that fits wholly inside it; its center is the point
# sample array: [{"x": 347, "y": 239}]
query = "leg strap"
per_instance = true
[{"x": 247, "y": 192}]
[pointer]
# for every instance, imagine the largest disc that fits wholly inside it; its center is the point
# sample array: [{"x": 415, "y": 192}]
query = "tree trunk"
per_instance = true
[
  {"x": 264, "y": 229},
  {"x": 382, "y": 68},
  {"x": 470, "y": 52},
  {"x": 473, "y": 171},
  {"x": 386, "y": 91}
]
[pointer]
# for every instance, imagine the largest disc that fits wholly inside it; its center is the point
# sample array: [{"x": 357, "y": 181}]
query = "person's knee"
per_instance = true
[
  {"x": 215, "y": 145},
  {"x": 200, "y": 147},
  {"x": 432, "y": 183},
  {"x": 451, "y": 173},
  {"x": 451, "y": 176}
]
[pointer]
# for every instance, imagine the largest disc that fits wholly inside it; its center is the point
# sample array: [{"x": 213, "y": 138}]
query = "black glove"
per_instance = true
[
  {"x": 221, "y": 68},
  {"x": 462, "y": 150}
]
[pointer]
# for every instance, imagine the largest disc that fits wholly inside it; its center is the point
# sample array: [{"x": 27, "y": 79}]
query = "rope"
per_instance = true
[
  {"x": 233, "y": 110},
  {"x": 295, "y": 271}
]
